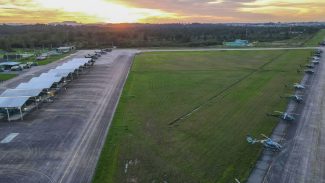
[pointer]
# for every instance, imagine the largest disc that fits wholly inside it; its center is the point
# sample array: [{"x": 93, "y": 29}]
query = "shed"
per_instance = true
[
  {"x": 9, "y": 103},
  {"x": 8, "y": 65}
]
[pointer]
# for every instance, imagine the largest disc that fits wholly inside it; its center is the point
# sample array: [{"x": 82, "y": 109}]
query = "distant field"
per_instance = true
[
  {"x": 300, "y": 40},
  {"x": 46, "y": 61},
  {"x": 320, "y": 36},
  {"x": 226, "y": 95},
  {"x": 294, "y": 42}
]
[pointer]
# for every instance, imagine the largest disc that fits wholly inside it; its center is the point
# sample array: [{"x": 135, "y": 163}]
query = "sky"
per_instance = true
[{"x": 161, "y": 11}]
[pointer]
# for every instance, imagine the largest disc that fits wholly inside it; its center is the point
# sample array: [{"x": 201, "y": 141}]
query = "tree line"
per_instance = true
[{"x": 141, "y": 35}]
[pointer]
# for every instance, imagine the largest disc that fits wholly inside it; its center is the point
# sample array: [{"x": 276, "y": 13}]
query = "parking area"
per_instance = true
[{"x": 61, "y": 141}]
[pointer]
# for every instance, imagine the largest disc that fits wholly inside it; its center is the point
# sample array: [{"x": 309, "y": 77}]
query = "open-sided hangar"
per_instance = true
[{"x": 15, "y": 103}]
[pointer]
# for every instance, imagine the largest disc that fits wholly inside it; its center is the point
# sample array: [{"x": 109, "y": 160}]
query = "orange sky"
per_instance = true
[{"x": 163, "y": 11}]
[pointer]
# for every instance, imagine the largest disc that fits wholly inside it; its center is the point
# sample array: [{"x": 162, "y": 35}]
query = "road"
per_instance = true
[{"x": 61, "y": 141}]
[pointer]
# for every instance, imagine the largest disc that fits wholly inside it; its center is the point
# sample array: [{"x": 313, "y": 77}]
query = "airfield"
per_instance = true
[
  {"x": 303, "y": 159},
  {"x": 62, "y": 141},
  {"x": 184, "y": 115}
]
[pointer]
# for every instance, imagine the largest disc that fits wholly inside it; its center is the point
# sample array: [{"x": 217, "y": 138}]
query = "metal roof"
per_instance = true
[
  {"x": 68, "y": 67},
  {"x": 21, "y": 93},
  {"x": 36, "y": 85},
  {"x": 12, "y": 102},
  {"x": 85, "y": 60},
  {"x": 61, "y": 72},
  {"x": 73, "y": 64},
  {"x": 16, "y": 98},
  {"x": 65, "y": 47},
  {"x": 45, "y": 78},
  {"x": 9, "y": 63}
]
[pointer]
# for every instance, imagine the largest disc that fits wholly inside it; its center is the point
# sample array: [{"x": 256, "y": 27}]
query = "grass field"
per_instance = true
[
  {"x": 4, "y": 77},
  {"x": 226, "y": 95},
  {"x": 320, "y": 36},
  {"x": 46, "y": 61}
]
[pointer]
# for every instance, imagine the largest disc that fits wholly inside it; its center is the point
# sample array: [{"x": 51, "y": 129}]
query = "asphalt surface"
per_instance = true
[
  {"x": 61, "y": 141},
  {"x": 302, "y": 159}
]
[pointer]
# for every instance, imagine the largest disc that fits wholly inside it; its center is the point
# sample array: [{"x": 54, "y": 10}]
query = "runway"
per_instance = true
[
  {"x": 61, "y": 141},
  {"x": 302, "y": 158}
]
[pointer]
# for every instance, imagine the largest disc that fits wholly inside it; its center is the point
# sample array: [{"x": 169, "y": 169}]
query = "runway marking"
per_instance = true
[{"x": 9, "y": 138}]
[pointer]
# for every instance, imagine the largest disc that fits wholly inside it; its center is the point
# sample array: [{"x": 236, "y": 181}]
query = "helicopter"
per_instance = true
[
  {"x": 101, "y": 52},
  {"x": 315, "y": 61},
  {"x": 94, "y": 56},
  {"x": 309, "y": 71},
  {"x": 282, "y": 115},
  {"x": 299, "y": 86},
  {"x": 310, "y": 66},
  {"x": 296, "y": 98},
  {"x": 268, "y": 143}
]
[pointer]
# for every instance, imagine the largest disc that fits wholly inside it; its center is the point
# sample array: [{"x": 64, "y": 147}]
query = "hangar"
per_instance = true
[{"x": 17, "y": 102}]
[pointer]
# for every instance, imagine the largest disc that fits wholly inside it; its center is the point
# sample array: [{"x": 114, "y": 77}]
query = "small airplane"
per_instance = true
[
  {"x": 282, "y": 115},
  {"x": 299, "y": 86},
  {"x": 296, "y": 98},
  {"x": 267, "y": 142}
]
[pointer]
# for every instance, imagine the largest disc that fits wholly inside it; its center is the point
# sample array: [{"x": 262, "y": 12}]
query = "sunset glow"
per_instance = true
[
  {"x": 105, "y": 11},
  {"x": 167, "y": 11}
]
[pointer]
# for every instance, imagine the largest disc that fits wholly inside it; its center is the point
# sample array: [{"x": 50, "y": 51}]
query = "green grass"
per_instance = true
[
  {"x": 320, "y": 36},
  {"x": 234, "y": 89},
  {"x": 300, "y": 40},
  {"x": 46, "y": 61},
  {"x": 4, "y": 77},
  {"x": 53, "y": 59},
  {"x": 294, "y": 42}
]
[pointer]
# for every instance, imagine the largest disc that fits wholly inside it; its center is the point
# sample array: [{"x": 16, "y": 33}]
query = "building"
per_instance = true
[
  {"x": 12, "y": 56},
  {"x": 17, "y": 56},
  {"x": 16, "y": 103},
  {"x": 8, "y": 65},
  {"x": 65, "y": 49},
  {"x": 237, "y": 43}
]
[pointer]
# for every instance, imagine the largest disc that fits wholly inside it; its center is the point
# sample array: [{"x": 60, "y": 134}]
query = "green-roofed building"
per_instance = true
[{"x": 237, "y": 43}]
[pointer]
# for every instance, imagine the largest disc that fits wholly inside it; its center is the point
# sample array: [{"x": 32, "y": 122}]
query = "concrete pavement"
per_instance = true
[{"x": 61, "y": 141}]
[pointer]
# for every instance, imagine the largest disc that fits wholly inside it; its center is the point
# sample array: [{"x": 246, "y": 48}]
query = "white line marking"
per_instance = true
[{"x": 9, "y": 138}]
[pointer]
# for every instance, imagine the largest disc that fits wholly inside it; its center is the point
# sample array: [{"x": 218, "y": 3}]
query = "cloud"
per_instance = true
[
  {"x": 216, "y": 2},
  {"x": 290, "y": 10},
  {"x": 164, "y": 11}
]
